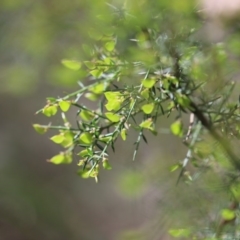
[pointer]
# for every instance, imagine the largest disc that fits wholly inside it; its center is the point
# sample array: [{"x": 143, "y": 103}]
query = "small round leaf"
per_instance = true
[
  {"x": 112, "y": 117},
  {"x": 64, "y": 105},
  {"x": 177, "y": 128},
  {"x": 148, "y": 108},
  {"x": 110, "y": 46},
  {"x": 86, "y": 138},
  {"x": 50, "y": 110}
]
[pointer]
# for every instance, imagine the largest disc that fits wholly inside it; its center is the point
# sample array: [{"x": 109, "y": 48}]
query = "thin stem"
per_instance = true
[{"x": 59, "y": 128}]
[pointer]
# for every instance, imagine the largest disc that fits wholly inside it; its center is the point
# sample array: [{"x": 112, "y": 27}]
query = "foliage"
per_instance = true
[{"x": 139, "y": 70}]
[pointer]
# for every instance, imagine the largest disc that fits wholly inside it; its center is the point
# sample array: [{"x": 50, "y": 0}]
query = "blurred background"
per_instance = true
[{"x": 41, "y": 201}]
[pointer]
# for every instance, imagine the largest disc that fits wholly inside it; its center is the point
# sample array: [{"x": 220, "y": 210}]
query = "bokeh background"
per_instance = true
[{"x": 42, "y": 201}]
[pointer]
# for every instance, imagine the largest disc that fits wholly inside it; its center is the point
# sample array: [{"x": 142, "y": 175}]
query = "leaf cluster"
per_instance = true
[{"x": 157, "y": 75}]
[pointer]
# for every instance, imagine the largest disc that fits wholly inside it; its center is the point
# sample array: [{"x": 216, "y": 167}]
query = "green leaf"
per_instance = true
[
  {"x": 110, "y": 46},
  {"x": 183, "y": 100},
  {"x": 58, "y": 138},
  {"x": 105, "y": 138},
  {"x": 71, "y": 64},
  {"x": 113, "y": 105},
  {"x": 86, "y": 115},
  {"x": 81, "y": 162},
  {"x": 61, "y": 159},
  {"x": 91, "y": 96},
  {"x": 177, "y": 128},
  {"x": 49, "y": 110},
  {"x": 106, "y": 165},
  {"x": 148, "y": 108},
  {"x": 68, "y": 139},
  {"x": 98, "y": 88},
  {"x": 108, "y": 61},
  {"x": 96, "y": 73},
  {"x": 114, "y": 100},
  {"x": 228, "y": 214},
  {"x": 147, "y": 124},
  {"x": 84, "y": 173},
  {"x": 174, "y": 167},
  {"x": 171, "y": 105},
  {"x": 40, "y": 129},
  {"x": 86, "y": 138},
  {"x": 112, "y": 96},
  {"x": 83, "y": 153},
  {"x": 112, "y": 117},
  {"x": 148, "y": 83},
  {"x": 64, "y": 105},
  {"x": 89, "y": 64},
  {"x": 123, "y": 134},
  {"x": 179, "y": 232},
  {"x": 145, "y": 93}
]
